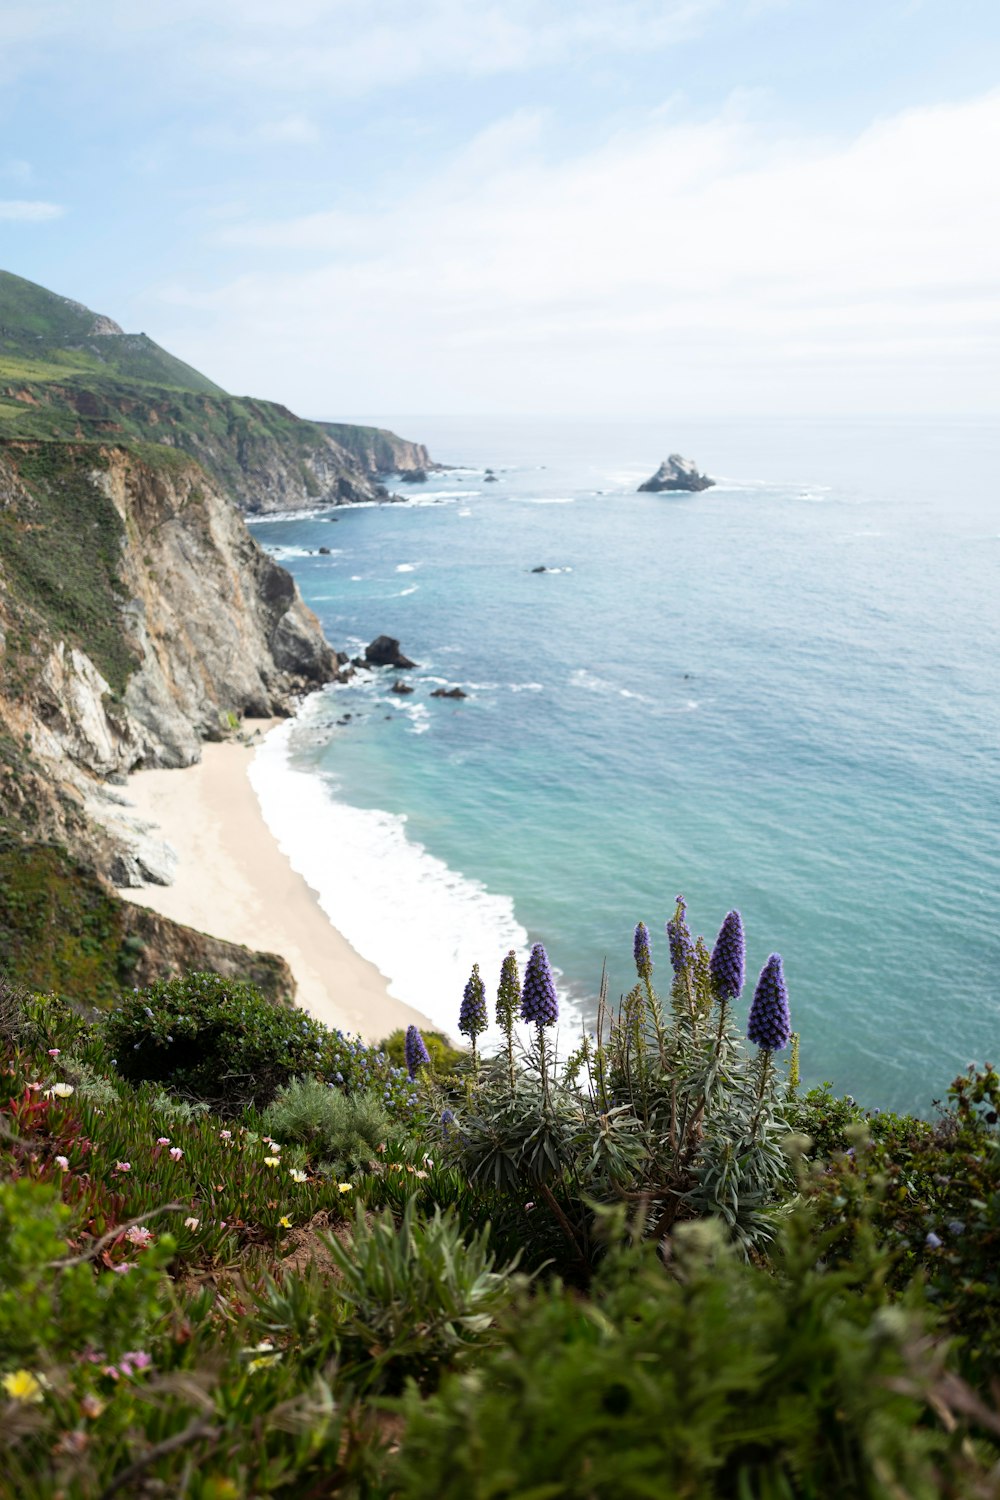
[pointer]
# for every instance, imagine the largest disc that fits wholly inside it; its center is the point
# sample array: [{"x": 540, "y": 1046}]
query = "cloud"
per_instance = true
[
  {"x": 677, "y": 260},
  {"x": 15, "y": 170},
  {"x": 25, "y": 211}
]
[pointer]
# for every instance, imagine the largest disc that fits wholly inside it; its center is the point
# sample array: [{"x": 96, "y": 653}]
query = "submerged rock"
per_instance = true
[
  {"x": 677, "y": 473},
  {"x": 384, "y": 652},
  {"x": 401, "y": 687},
  {"x": 455, "y": 692}
]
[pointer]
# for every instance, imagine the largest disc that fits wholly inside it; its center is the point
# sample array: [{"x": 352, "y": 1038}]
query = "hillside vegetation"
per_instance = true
[{"x": 243, "y": 1255}]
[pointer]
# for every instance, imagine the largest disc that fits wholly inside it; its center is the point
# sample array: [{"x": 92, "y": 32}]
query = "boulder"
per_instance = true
[
  {"x": 416, "y": 476},
  {"x": 540, "y": 569},
  {"x": 384, "y": 652},
  {"x": 455, "y": 692},
  {"x": 677, "y": 473},
  {"x": 401, "y": 687},
  {"x": 324, "y": 552}
]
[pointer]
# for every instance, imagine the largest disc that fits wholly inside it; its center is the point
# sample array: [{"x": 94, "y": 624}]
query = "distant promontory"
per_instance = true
[{"x": 677, "y": 473}]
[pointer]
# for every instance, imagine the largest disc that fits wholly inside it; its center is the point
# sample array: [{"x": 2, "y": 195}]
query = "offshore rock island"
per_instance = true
[{"x": 676, "y": 473}]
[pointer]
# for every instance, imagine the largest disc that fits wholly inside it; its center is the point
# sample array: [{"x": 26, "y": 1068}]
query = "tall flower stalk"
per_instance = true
[
  {"x": 539, "y": 1003},
  {"x": 472, "y": 1018},
  {"x": 508, "y": 1000}
]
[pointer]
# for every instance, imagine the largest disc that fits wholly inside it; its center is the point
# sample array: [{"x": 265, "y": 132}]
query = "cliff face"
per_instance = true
[
  {"x": 379, "y": 451},
  {"x": 138, "y": 617}
]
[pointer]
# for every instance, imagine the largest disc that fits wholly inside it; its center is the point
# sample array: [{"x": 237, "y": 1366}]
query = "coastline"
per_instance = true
[{"x": 234, "y": 882}]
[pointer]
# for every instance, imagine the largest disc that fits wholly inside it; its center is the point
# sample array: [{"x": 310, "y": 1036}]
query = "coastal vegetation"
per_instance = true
[{"x": 243, "y": 1254}]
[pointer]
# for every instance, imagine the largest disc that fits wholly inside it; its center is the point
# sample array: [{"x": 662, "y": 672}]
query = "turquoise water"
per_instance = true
[{"x": 781, "y": 695}]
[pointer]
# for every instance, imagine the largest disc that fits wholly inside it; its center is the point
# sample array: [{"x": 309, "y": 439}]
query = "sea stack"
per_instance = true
[{"x": 677, "y": 473}]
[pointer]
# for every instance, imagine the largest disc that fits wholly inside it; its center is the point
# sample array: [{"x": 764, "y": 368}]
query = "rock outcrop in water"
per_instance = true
[
  {"x": 384, "y": 652},
  {"x": 677, "y": 473}
]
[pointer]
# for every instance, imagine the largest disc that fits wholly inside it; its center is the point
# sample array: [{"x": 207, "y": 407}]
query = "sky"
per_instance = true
[{"x": 603, "y": 208}]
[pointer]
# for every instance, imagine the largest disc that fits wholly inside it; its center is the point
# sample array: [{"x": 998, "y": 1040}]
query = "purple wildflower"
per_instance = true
[
  {"x": 472, "y": 1018},
  {"x": 728, "y": 964},
  {"x": 447, "y": 1119},
  {"x": 641, "y": 951},
  {"x": 679, "y": 936},
  {"x": 770, "y": 1022},
  {"x": 539, "y": 1005},
  {"x": 509, "y": 993},
  {"x": 415, "y": 1052}
]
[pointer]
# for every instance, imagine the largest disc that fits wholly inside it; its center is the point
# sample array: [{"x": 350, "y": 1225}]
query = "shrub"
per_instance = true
[
  {"x": 417, "y": 1296},
  {"x": 665, "y": 1105},
  {"x": 933, "y": 1192},
  {"x": 342, "y": 1131},
  {"x": 716, "y": 1380},
  {"x": 221, "y": 1041}
]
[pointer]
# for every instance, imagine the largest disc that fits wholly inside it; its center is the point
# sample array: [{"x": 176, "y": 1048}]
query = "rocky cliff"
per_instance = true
[
  {"x": 379, "y": 451},
  {"x": 138, "y": 617}
]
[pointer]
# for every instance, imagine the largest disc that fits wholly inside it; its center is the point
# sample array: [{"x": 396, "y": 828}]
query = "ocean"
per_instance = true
[{"x": 781, "y": 694}]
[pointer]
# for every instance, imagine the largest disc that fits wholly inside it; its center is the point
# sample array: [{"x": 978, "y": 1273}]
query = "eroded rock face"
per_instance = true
[
  {"x": 212, "y": 630},
  {"x": 677, "y": 473}
]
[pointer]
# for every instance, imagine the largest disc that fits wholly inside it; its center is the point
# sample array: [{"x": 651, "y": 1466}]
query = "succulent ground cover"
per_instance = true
[{"x": 243, "y": 1255}]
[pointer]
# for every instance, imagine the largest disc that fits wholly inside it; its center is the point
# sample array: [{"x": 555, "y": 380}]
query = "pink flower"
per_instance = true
[
  {"x": 176, "y": 1153},
  {"x": 62, "y": 1162},
  {"x": 191, "y": 1223},
  {"x": 124, "y": 1268},
  {"x": 164, "y": 1140},
  {"x": 225, "y": 1135},
  {"x": 123, "y": 1166},
  {"x": 113, "y": 1371},
  {"x": 53, "y": 1051},
  {"x": 139, "y": 1235}
]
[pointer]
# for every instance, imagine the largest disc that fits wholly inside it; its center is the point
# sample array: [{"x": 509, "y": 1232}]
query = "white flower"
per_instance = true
[
  {"x": 62, "y": 1162},
  {"x": 59, "y": 1091},
  {"x": 296, "y": 1175},
  {"x": 191, "y": 1222}
]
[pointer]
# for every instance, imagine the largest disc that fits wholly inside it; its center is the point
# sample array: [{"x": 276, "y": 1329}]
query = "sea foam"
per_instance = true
[{"x": 421, "y": 923}]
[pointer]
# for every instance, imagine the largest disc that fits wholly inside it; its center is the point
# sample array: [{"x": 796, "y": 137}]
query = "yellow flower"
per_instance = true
[
  {"x": 343, "y": 1187},
  {"x": 21, "y": 1385},
  {"x": 272, "y": 1161},
  {"x": 285, "y": 1222}
]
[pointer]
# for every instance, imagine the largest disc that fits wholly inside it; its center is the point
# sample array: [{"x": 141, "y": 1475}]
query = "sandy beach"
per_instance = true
[{"x": 234, "y": 882}]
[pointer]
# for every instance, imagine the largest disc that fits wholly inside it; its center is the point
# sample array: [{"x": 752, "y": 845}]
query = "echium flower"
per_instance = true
[
  {"x": 472, "y": 1018},
  {"x": 508, "y": 994},
  {"x": 641, "y": 952},
  {"x": 728, "y": 964},
  {"x": 679, "y": 935},
  {"x": 770, "y": 1021},
  {"x": 539, "y": 1005},
  {"x": 414, "y": 1051}
]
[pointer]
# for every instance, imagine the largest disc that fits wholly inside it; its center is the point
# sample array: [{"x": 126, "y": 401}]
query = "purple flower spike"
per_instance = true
[
  {"x": 642, "y": 952},
  {"x": 770, "y": 1022},
  {"x": 415, "y": 1052},
  {"x": 539, "y": 1005},
  {"x": 472, "y": 1018},
  {"x": 728, "y": 964},
  {"x": 679, "y": 935}
]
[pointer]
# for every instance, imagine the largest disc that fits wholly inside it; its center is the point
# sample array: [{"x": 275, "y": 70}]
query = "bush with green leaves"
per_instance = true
[
  {"x": 664, "y": 1106},
  {"x": 53, "y": 1306},
  {"x": 418, "y": 1295},
  {"x": 340, "y": 1132},
  {"x": 707, "y": 1378},
  {"x": 220, "y": 1040},
  {"x": 445, "y": 1057},
  {"x": 936, "y": 1195}
]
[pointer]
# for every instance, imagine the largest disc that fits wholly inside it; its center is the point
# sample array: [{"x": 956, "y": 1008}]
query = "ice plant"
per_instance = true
[
  {"x": 728, "y": 964},
  {"x": 679, "y": 937},
  {"x": 22, "y": 1385},
  {"x": 415, "y": 1052},
  {"x": 539, "y": 1005},
  {"x": 642, "y": 953},
  {"x": 296, "y": 1175},
  {"x": 272, "y": 1161},
  {"x": 62, "y": 1162},
  {"x": 770, "y": 1022},
  {"x": 472, "y": 1018},
  {"x": 176, "y": 1153}
]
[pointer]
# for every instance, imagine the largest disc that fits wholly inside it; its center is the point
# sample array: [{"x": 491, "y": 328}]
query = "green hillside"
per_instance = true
[{"x": 44, "y": 336}]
